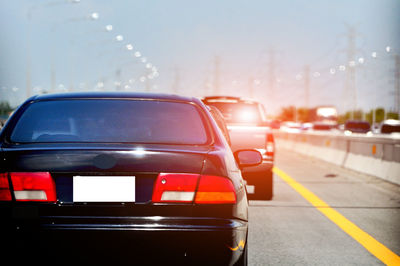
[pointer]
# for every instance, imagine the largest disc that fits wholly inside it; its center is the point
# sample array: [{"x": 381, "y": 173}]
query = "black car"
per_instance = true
[
  {"x": 389, "y": 126},
  {"x": 121, "y": 178}
]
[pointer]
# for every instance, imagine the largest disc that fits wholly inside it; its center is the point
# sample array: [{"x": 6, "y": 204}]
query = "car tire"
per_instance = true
[
  {"x": 243, "y": 258},
  {"x": 265, "y": 190}
]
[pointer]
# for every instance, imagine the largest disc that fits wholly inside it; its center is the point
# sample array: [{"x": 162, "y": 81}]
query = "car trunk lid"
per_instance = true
[{"x": 105, "y": 168}]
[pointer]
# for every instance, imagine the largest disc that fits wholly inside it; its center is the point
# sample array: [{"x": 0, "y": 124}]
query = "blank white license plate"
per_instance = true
[
  {"x": 250, "y": 189},
  {"x": 104, "y": 189}
]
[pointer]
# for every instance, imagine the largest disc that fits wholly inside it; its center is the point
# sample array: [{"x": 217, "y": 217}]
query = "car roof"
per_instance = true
[
  {"x": 222, "y": 98},
  {"x": 392, "y": 122},
  {"x": 114, "y": 95}
]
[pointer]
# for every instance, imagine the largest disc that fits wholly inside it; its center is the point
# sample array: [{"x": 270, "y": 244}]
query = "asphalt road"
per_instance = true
[{"x": 289, "y": 230}]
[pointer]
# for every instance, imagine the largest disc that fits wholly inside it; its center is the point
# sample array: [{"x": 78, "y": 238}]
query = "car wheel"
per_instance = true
[{"x": 265, "y": 190}]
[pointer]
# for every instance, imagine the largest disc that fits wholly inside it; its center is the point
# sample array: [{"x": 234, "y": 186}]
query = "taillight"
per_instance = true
[
  {"x": 215, "y": 189},
  {"x": 270, "y": 146},
  {"x": 33, "y": 186},
  {"x": 5, "y": 193},
  {"x": 175, "y": 187},
  {"x": 188, "y": 188}
]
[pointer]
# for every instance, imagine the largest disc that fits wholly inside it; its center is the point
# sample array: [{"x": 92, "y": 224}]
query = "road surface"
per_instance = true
[{"x": 290, "y": 230}]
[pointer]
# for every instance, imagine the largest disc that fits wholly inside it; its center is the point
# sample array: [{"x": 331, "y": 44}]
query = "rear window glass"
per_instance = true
[
  {"x": 136, "y": 121},
  {"x": 238, "y": 113}
]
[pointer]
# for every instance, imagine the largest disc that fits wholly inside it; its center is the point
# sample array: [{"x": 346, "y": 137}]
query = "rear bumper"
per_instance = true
[{"x": 136, "y": 240}]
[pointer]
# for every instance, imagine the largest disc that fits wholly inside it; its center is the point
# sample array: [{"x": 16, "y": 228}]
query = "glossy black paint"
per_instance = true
[{"x": 143, "y": 227}]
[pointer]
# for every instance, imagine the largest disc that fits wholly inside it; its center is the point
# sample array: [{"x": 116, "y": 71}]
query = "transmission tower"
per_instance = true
[
  {"x": 177, "y": 81},
  {"x": 307, "y": 85},
  {"x": 217, "y": 62},
  {"x": 397, "y": 84},
  {"x": 251, "y": 87},
  {"x": 271, "y": 76},
  {"x": 350, "y": 84}
]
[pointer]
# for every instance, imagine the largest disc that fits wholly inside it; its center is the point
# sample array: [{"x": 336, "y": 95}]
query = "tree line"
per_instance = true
[
  {"x": 304, "y": 115},
  {"x": 5, "y": 108}
]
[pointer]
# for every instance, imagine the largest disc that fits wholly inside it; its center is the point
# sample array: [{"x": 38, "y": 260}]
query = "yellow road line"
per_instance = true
[{"x": 377, "y": 249}]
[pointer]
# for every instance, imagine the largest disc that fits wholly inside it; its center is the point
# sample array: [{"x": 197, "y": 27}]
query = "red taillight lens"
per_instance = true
[
  {"x": 171, "y": 187},
  {"x": 5, "y": 193},
  {"x": 270, "y": 146},
  {"x": 215, "y": 190},
  {"x": 33, "y": 186}
]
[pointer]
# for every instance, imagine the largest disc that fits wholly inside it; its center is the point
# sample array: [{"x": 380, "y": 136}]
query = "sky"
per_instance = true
[{"x": 301, "y": 52}]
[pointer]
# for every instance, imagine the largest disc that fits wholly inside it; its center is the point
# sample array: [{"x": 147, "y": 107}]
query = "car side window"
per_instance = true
[{"x": 220, "y": 122}]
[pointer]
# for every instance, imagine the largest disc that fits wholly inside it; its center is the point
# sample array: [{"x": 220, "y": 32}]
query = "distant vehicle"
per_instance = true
[
  {"x": 121, "y": 177},
  {"x": 389, "y": 126},
  {"x": 357, "y": 126},
  {"x": 291, "y": 127},
  {"x": 324, "y": 117},
  {"x": 248, "y": 129},
  {"x": 323, "y": 126},
  {"x": 306, "y": 126},
  {"x": 275, "y": 124}
]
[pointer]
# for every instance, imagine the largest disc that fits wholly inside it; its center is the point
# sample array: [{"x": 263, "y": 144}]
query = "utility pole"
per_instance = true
[
  {"x": 52, "y": 68},
  {"x": 307, "y": 85},
  {"x": 217, "y": 62},
  {"x": 350, "y": 85},
  {"x": 251, "y": 87},
  {"x": 118, "y": 79},
  {"x": 177, "y": 81},
  {"x": 397, "y": 84},
  {"x": 52, "y": 78},
  {"x": 28, "y": 74},
  {"x": 28, "y": 56},
  {"x": 147, "y": 84},
  {"x": 71, "y": 69},
  {"x": 271, "y": 76}
]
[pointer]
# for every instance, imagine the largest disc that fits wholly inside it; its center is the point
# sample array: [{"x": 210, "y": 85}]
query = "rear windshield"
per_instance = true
[
  {"x": 239, "y": 113},
  {"x": 133, "y": 121}
]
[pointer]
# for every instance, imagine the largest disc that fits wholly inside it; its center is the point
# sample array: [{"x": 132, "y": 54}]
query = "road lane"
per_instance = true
[
  {"x": 371, "y": 244},
  {"x": 289, "y": 231}
]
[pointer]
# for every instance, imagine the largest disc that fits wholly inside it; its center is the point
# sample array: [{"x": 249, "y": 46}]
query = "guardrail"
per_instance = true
[{"x": 369, "y": 154}]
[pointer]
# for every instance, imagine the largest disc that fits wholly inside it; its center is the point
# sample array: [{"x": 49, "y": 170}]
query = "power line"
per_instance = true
[{"x": 271, "y": 90}]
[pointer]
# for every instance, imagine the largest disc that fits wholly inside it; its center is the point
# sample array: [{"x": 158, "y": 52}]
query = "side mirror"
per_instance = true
[{"x": 246, "y": 158}]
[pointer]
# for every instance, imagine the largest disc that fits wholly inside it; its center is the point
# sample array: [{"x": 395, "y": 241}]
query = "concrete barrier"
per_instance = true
[{"x": 370, "y": 154}]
